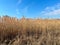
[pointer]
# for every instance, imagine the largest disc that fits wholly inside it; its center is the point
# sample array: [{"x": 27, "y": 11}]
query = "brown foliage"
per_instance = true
[{"x": 27, "y": 31}]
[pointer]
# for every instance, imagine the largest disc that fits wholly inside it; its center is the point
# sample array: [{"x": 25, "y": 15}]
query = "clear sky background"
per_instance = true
[{"x": 30, "y": 8}]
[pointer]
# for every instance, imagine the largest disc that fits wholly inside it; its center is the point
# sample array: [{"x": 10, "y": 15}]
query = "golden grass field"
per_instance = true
[{"x": 27, "y": 31}]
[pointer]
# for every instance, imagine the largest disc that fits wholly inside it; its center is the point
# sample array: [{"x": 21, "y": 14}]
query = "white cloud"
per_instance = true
[{"x": 53, "y": 10}]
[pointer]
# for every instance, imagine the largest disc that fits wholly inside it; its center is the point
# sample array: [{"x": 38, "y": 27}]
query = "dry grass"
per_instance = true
[{"x": 29, "y": 31}]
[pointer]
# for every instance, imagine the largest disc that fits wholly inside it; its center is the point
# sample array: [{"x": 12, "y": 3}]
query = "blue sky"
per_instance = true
[{"x": 30, "y": 8}]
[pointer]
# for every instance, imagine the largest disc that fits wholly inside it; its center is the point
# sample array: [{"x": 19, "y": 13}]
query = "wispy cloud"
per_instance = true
[
  {"x": 22, "y": 10},
  {"x": 25, "y": 10},
  {"x": 19, "y": 2},
  {"x": 53, "y": 10},
  {"x": 17, "y": 11}
]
